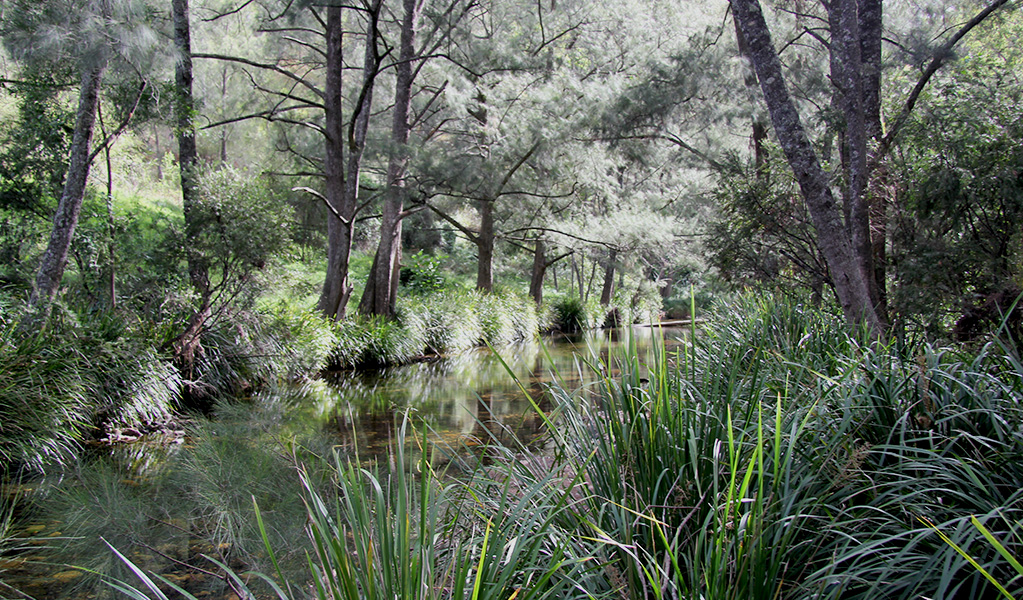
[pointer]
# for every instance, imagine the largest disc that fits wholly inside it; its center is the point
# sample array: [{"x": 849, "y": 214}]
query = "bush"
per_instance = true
[
  {"x": 72, "y": 378},
  {"x": 570, "y": 315}
]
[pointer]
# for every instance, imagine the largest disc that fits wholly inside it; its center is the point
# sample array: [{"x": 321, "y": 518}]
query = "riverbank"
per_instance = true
[{"x": 773, "y": 456}]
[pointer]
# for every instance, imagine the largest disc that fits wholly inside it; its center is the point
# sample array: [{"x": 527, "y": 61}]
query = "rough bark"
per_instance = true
[
  {"x": 485, "y": 247},
  {"x": 65, "y": 220},
  {"x": 609, "y": 278},
  {"x": 833, "y": 238},
  {"x": 759, "y": 127},
  {"x": 341, "y": 176},
  {"x": 847, "y": 77},
  {"x": 871, "y": 21},
  {"x": 381, "y": 293},
  {"x": 538, "y": 272},
  {"x": 189, "y": 343}
]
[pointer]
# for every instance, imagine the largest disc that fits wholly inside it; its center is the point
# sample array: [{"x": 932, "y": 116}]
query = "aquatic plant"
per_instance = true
[
  {"x": 770, "y": 455},
  {"x": 570, "y": 314}
]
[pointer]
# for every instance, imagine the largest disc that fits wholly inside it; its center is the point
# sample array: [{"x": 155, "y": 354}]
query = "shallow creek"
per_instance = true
[{"x": 168, "y": 500}]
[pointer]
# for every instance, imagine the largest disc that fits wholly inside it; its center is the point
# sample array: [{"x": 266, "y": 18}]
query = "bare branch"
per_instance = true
[
  {"x": 218, "y": 16},
  {"x": 265, "y": 66}
]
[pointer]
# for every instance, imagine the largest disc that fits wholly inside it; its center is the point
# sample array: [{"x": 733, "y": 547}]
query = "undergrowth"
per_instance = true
[{"x": 771, "y": 455}]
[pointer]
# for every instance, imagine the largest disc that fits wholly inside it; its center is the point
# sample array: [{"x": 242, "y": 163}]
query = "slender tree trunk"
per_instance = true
[
  {"x": 833, "y": 237},
  {"x": 342, "y": 177},
  {"x": 589, "y": 280},
  {"x": 759, "y": 127},
  {"x": 871, "y": 21},
  {"x": 485, "y": 247},
  {"x": 190, "y": 342},
  {"x": 381, "y": 293},
  {"x": 111, "y": 250},
  {"x": 576, "y": 273},
  {"x": 847, "y": 74},
  {"x": 539, "y": 269},
  {"x": 158, "y": 152},
  {"x": 335, "y": 285},
  {"x": 609, "y": 278},
  {"x": 223, "y": 130},
  {"x": 65, "y": 220}
]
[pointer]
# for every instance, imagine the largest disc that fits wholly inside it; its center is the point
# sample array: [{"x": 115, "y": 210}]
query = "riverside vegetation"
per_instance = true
[{"x": 771, "y": 455}]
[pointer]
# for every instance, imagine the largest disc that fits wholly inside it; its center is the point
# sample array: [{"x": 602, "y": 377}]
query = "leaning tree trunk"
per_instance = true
[
  {"x": 54, "y": 260},
  {"x": 381, "y": 293},
  {"x": 833, "y": 238}
]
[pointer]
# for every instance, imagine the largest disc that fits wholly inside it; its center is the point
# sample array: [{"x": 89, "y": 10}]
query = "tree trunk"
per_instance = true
[
  {"x": 609, "y": 278},
  {"x": 871, "y": 13},
  {"x": 190, "y": 342},
  {"x": 54, "y": 260},
  {"x": 111, "y": 249},
  {"x": 485, "y": 248},
  {"x": 759, "y": 127},
  {"x": 381, "y": 293},
  {"x": 847, "y": 76},
  {"x": 342, "y": 185},
  {"x": 833, "y": 238},
  {"x": 539, "y": 269}
]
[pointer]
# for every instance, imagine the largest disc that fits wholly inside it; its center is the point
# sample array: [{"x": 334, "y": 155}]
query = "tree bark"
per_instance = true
[
  {"x": 65, "y": 220},
  {"x": 847, "y": 77},
  {"x": 381, "y": 293},
  {"x": 833, "y": 237},
  {"x": 871, "y": 21},
  {"x": 539, "y": 270},
  {"x": 485, "y": 248},
  {"x": 189, "y": 343},
  {"x": 342, "y": 178},
  {"x": 609, "y": 278}
]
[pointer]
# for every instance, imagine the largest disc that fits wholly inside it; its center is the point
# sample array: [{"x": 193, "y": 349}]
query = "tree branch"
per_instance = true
[
  {"x": 941, "y": 55},
  {"x": 265, "y": 66}
]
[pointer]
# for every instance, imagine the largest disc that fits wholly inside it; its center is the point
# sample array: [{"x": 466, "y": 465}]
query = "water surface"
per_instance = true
[{"x": 169, "y": 502}]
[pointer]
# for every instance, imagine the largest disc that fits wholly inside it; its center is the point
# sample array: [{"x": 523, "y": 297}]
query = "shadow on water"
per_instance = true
[{"x": 169, "y": 502}]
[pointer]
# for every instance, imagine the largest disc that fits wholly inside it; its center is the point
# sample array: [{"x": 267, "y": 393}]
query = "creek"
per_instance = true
[{"x": 171, "y": 501}]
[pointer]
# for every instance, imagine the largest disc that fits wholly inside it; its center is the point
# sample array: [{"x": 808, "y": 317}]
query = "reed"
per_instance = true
[{"x": 771, "y": 455}]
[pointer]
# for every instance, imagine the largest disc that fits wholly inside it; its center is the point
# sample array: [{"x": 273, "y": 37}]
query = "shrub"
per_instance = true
[{"x": 570, "y": 314}]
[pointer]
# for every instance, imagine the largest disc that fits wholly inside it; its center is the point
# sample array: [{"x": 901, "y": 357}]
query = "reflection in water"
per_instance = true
[
  {"x": 470, "y": 398},
  {"x": 198, "y": 494}
]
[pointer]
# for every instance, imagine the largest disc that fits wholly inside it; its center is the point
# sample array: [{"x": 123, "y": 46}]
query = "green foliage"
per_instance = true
[
  {"x": 958, "y": 244},
  {"x": 781, "y": 456},
  {"x": 421, "y": 274},
  {"x": 762, "y": 232},
  {"x": 570, "y": 314},
  {"x": 680, "y": 306},
  {"x": 60, "y": 383},
  {"x": 771, "y": 456},
  {"x": 449, "y": 321},
  {"x": 240, "y": 223}
]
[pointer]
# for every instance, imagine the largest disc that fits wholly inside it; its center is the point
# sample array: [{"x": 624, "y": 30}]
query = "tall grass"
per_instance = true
[
  {"x": 71, "y": 378},
  {"x": 443, "y": 322},
  {"x": 779, "y": 457},
  {"x": 772, "y": 455}
]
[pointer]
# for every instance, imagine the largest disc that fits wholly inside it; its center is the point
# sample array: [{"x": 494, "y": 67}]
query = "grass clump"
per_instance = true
[
  {"x": 771, "y": 455},
  {"x": 439, "y": 323}
]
